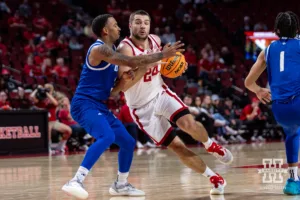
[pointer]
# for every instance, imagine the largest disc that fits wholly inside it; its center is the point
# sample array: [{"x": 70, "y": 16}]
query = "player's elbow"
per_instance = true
[{"x": 247, "y": 83}]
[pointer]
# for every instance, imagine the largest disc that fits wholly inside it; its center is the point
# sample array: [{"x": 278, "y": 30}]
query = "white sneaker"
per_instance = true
[
  {"x": 75, "y": 189},
  {"x": 127, "y": 198},
  {"x": 84, "y": 147},
  {"x": 218, "y": 185},
  {"x": 150, "y": 145},
  {"x": 125, "y": 190},
  {"x": 233, "y": 139},
  {"x": 261, "y": 139},
  {"x": 221, "y": 153},
  {"x": 139, "y": 145},
  {"x": 223, "y": 140},
  {"x": 253, "y": 139},
  {"x": 240, "y": 139}
]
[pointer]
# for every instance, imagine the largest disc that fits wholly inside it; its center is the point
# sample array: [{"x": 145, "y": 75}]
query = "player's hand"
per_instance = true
[
  {"x": 264, "y": 95},
  {"x": 128, "y": 75},
  {"x": 170, "y": 50}
]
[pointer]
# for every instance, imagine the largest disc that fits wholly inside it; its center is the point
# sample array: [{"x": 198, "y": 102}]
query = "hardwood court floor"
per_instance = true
[{"x": 158, "y": 172}]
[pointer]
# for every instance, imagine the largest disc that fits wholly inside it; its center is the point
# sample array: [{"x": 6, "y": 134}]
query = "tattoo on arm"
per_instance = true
[{"x": 113, "y": 57}]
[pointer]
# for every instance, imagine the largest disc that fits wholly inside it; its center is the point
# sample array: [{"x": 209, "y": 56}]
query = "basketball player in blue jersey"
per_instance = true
[
  {"x": 89, "y": 110},
  {"x": 282, "y": 60}
]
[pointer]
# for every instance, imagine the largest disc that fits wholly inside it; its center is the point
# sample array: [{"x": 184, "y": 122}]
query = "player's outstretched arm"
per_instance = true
[
  {"x": 255, "y": 72},
  {"x": 257, "y": 69},
  {"x": 104, "y": 52}
]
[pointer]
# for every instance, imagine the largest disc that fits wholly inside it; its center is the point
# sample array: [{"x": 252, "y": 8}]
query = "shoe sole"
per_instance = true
[
  {"x": 216, "y": 192},
  {"x": 114, "y": 193},
  {"x": 72, "y": 192},
  {"x": 289, "y": 193}
]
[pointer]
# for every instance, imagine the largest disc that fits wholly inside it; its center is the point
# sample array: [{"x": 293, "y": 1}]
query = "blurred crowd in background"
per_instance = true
[{"x": 43, "y": 46}]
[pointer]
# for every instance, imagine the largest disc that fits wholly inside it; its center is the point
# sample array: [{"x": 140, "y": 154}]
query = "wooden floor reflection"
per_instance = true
[{"x": 158, "y": 172}]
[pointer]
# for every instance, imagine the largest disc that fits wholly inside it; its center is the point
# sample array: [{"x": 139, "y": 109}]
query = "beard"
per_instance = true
[{"x": 139, "y": 37}]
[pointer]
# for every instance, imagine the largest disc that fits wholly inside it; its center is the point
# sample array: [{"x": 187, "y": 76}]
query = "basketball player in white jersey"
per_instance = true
[{"x": 152, "y": 105}]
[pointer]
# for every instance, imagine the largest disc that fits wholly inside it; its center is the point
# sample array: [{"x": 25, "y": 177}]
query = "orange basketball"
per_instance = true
[{"x": 174, "y": 66}]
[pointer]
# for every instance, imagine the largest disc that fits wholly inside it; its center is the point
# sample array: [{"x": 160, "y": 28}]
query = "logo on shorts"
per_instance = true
[
  {"x": 272, "y": 170},
  {"x": 99, "y": 113}
]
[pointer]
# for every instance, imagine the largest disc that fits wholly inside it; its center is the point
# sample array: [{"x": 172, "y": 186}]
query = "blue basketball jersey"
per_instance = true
[
  {"x": 96, "y": 82},
  {"x": 283, "y": 65}
]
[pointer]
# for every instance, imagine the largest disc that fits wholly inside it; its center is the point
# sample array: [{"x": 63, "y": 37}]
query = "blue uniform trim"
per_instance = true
[{"x": 103, "y": 65}]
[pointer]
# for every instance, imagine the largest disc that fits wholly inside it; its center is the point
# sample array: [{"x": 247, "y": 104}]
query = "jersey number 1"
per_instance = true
[
  {"x": 151, "y": 72},
  {"x": 281, "y": 61}
]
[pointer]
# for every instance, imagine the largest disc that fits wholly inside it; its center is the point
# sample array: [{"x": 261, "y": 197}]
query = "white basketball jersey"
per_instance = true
[{"x": 151, "y": 84}]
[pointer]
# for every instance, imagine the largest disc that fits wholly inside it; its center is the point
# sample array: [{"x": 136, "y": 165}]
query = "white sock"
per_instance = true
[
  {"x": 293, "y": 171},
  {"x": 208, "y": 143},
  {"x": 122, "y": 178},
  {"x": 61, "y": 145},
  {"x": 208, "y": 172},
  {"x": 81, "y": 173}
]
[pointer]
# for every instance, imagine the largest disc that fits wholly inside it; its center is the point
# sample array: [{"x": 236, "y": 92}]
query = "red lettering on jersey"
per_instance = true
[{"x": 151, "y": 72}]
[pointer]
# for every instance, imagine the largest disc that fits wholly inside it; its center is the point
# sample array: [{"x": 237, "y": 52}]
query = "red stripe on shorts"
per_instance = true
[
  {"x": 166, "y": 135},
  {"x": 141, "y": 125}
]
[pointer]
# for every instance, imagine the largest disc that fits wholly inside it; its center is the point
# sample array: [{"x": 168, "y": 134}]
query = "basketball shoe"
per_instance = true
[
  {"x": 292, "y": 187},
  {"x": 221, "y": 153},
  {"x": 125, "y": 190},
  {"x": 76, "y": 189},
  {"x": 218, "y": 185}
]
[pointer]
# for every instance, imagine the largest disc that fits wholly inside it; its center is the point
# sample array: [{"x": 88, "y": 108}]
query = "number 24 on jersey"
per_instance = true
[{"x": 151, "y": 72}]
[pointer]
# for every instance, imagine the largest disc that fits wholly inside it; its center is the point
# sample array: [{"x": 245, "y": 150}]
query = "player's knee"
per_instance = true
[
  {"x": 109, "y": 138},
  {"x": 131, "y": 144},
  {"x": 187, "y": 123}
]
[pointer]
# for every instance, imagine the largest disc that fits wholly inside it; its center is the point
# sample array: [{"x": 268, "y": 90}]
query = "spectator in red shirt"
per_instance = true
[
  {"x": 218, "y": 63},
  {"x": 190, "y": 56},
  {"x": 204, "y": 66},
  {"x": 29, "y": 66},
  {"x": 30, "y": 48},
  {"x": 41, "y": 23},
  {"x": 44, "y": 99},
  {"x": 47, "y": 67},
  {"x": 254, "y": 120},
  {"x": 29, "y": 34},
  {"x": 62, "y": 42},
  {"x": 61, "y": 69},
  {"x": 16, "y": 21},
  {"x": 50, "y": 42},
  {"x": 158, "y": 14}
]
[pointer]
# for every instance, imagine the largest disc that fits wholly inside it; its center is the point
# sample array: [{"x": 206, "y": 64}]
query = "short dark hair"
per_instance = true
[
  {"x": 286, "y": 24},
  {"x": 99, "y": 23},
  {"x": 138, "y": 12}
]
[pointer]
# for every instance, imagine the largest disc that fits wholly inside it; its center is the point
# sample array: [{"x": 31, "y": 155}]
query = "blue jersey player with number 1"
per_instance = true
[
  {"x": 282, "y": 60},
  {"x": 88, "y": 107}
]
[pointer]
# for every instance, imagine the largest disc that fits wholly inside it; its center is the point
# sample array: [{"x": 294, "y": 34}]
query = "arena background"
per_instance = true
[{"x": 46, "y": 41}]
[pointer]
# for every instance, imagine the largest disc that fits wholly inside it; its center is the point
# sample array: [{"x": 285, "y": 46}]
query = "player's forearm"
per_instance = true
[
  {"x": 253, "y": 87},
  {"x": 144, "y": 60},
  {"x": 107, "y": 54},
  {"x": 117, "y": 89}
]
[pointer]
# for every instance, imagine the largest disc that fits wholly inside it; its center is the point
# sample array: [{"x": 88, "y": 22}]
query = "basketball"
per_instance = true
[{"x": 174, "y": 66}]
